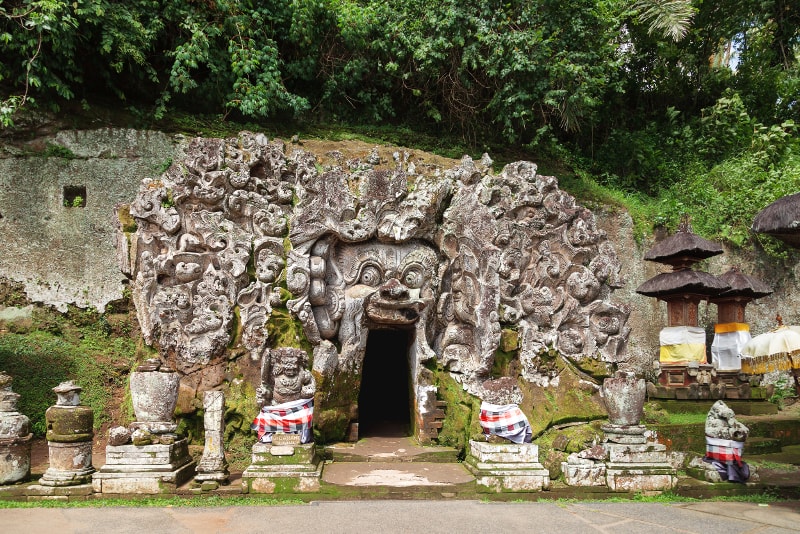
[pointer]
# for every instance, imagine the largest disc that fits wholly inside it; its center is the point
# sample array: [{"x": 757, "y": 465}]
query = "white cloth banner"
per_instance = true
[{"x": 726, "y": 349}]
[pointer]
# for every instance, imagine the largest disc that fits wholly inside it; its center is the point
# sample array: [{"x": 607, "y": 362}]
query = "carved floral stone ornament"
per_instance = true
[{"x": 239, "y": 230}]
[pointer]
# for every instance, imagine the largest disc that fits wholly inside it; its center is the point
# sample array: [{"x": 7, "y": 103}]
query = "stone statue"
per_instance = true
[
  {"x": 725, "y": 437},
  {"x": 286, "y": 395},
  {"x": 285, "y": 377}
]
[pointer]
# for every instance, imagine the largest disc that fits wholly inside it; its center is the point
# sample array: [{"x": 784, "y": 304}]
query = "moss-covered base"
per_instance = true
[{"x": 575, "y": 397}]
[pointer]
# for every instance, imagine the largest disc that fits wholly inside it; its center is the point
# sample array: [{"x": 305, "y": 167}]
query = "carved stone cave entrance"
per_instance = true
[{"x": 384, "y": 400}]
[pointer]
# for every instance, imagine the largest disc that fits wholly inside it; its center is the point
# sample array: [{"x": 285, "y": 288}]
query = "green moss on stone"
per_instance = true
[
  {"x": 597, "y": 369},
  {"x": 461, "y": 415},
  {"x": 286, "y": 331},
  {"x": 330, "y": 425},
  {"x": 573, "y": 399},
  {"x": 502, "y": 362}
]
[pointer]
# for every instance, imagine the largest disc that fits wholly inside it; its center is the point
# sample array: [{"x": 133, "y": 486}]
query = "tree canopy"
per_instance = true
[{"x": 644, "y": 94}]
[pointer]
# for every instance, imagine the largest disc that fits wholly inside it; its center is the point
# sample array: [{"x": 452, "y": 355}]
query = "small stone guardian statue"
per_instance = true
[
  {"x": 725, "y": 437},
  {"x": 286, "y": 395}
]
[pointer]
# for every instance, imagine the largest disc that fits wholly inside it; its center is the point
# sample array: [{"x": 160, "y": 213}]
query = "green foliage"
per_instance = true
[
  {"x": 56, "y": 349},
  {"x": 784, "y": 389},
  {"x": 669, "y": 17},
  {"x": 53, "y": 150}
]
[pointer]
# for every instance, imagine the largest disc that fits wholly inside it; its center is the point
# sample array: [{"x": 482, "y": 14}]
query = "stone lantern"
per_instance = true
[
  {"x": 15, "y": 436},
  {"x": 69, "y": 438}
]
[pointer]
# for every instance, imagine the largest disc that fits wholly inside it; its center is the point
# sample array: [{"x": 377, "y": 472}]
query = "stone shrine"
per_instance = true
[{"x": 635, "y": 463}]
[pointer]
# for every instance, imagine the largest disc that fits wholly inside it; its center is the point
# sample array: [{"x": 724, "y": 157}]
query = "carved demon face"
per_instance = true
[
  {"x": 395, "y": 280},
  {"x": 396, "y": 283}
]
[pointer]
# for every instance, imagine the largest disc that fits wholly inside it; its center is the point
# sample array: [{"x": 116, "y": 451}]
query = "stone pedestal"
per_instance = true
[
  {"x": 70, "y": 464},
  {"x": 213, "y": 468},
  {"x": 634, "y": 464},
  {"x": 583, "y": 471},
  {"x": 69, "y": 439},
  {"x": 507, "y": 467},
  {"x": 280, "y": 467},
  {"x": 15, "y": 436},
  {"x": 144, "y": 469}
]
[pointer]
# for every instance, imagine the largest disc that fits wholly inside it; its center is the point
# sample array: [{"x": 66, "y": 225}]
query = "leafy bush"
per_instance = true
[{"x": 45, "y": 356}]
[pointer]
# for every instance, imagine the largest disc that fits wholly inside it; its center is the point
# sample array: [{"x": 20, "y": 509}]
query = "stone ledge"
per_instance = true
[{"x": 142, "y": 482}]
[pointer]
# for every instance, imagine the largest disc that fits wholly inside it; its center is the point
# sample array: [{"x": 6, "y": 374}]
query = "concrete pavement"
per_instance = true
[{"x": 428, "y": 517}]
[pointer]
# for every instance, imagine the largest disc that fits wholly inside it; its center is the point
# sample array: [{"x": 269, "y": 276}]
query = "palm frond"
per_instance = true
[{"x": 671, "y": 18}]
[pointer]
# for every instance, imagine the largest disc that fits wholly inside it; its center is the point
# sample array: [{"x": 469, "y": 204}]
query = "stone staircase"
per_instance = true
[{"x": 396, "y": 467}]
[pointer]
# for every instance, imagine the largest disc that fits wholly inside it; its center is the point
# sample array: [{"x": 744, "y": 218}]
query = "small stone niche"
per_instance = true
[{"x": 74, "y": 196}]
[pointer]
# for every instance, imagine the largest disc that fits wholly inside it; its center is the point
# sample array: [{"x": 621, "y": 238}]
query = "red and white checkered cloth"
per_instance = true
[
  {"x": 506, "y": 421},
  {"x": 724, "y": 450},
  {"x": 289, "y": 418}
]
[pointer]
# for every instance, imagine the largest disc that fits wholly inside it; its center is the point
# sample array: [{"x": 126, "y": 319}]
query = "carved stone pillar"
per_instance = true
[{"x": 213, "y": 468}]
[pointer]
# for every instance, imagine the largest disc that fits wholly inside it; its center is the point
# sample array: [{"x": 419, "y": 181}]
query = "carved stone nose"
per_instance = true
[{"x": 394, "y": 290}]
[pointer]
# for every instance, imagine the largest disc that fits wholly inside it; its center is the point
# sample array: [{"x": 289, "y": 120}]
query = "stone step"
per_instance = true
[
  {"x": 389, "y": 449},
  {"x": 755, "y": 446},
  {"x": 408, "y": 475}
]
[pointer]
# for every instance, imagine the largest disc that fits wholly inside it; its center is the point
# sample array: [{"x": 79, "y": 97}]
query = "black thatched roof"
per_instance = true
[
  {"x": 683, "y": 248},
  {"x": 781, "y": 219},
  {"x": 742, "y": 285},
  {"x": 682, "y": 281}
]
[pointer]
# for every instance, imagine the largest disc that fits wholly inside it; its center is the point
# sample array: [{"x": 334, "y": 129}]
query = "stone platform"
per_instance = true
[
  {"x": 507, "y": 467},
  {"x": 276, "y": 468},
  {"x": 144, "y": 469}
]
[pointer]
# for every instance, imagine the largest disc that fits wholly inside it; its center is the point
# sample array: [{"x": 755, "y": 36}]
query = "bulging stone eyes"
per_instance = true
[
  {"x": 370, "y": 276},
  {"x": 413, "y": 278}
]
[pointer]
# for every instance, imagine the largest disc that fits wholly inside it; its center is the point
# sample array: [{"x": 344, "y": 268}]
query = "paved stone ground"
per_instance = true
[{"x": 430, "y": 517}]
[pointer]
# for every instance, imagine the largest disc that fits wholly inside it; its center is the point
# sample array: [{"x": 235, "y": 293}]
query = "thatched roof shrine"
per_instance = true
[
  {"x": 682, "y": 282},
  {"x": 683, "y": 248},
  {"x": 743, "y": 285},
  {"x": 781, "y": 219}
]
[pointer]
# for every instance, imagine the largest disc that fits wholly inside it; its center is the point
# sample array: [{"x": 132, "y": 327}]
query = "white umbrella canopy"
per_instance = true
[{"x": 777, "y": 350}]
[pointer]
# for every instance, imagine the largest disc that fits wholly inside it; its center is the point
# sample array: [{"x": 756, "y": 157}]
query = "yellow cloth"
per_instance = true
[
  {"x": 682, "y": 344},
  {"x": 725, "y": 328}
]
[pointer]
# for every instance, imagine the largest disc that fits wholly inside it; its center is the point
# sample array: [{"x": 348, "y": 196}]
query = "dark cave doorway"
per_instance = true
[{"x": 384, "y": 401}]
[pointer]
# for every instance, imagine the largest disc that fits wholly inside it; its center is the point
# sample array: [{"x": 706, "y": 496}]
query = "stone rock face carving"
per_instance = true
[
  {"x": 199, "y": 227},
  {"x": 523, "y": 254},
  {"x": 450, "y": 257}
]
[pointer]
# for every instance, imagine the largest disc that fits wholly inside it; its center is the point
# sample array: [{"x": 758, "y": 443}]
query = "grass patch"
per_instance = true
[
  {"x": 685, "y": 418},
  {"x": 195, "y": 501}
]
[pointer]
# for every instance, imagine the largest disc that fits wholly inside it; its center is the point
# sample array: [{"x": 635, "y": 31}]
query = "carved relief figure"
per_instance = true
[{"x": 285, "y": 377}]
